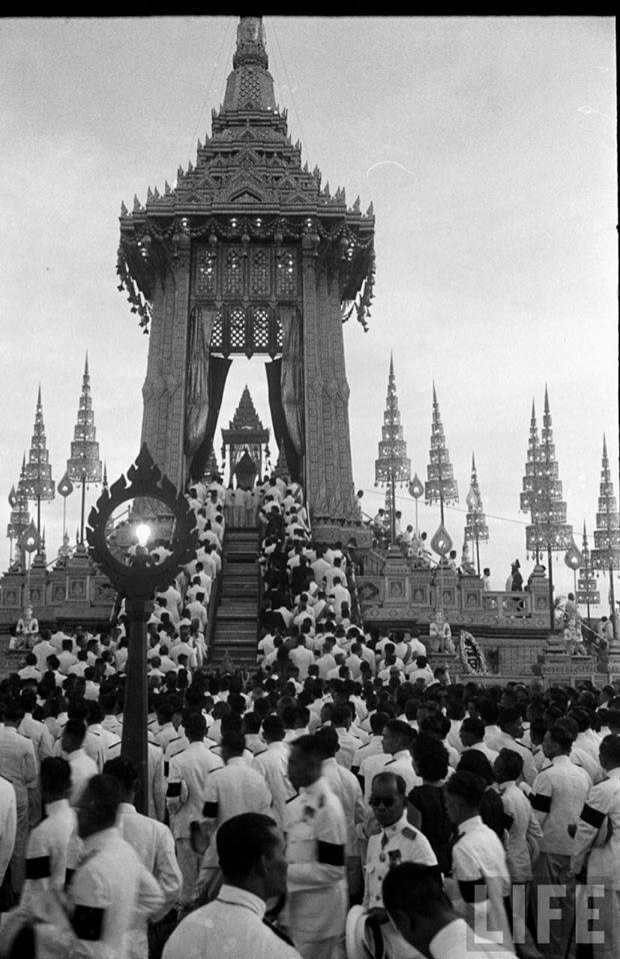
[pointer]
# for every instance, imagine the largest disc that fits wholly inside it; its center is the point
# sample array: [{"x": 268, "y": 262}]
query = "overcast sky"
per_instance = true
[{"x": 488, "y": 147}]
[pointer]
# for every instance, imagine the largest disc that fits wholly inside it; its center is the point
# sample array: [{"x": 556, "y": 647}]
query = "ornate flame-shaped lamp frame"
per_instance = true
[
  {"x": 138, "y": 584},
  {"x": 146, "y": 481}
]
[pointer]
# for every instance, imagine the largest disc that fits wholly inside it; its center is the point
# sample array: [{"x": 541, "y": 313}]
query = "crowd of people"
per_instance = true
[{"x": 345, "y": 798}]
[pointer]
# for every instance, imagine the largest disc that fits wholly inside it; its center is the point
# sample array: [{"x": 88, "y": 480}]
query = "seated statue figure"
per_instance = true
[
  {"x": 26, "y": 630},
  {"x": 440, "y": 634},
  {"x": 574, "y": 639}
]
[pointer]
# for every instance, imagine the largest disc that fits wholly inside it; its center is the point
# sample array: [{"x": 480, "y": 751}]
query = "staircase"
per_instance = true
[{"x": 235, "y": 631}]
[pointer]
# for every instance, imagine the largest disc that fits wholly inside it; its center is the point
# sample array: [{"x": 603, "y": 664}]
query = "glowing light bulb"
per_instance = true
[{"x": 143, "y": 533}]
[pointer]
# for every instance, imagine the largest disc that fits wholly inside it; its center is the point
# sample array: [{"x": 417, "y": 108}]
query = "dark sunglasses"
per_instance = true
[{"x": 386, "y": 801}]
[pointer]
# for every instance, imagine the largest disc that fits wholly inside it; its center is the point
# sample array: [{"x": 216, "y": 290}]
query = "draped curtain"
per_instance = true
[
  {"x": 278, "y": 417},
  {"x": 218, "y": 371},
  {"x": 197, "y": 390},
  {"x": 292, "y": 384}
]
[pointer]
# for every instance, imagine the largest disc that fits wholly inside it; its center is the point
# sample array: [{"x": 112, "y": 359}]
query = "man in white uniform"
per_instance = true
[
  {"x": 316, "y": 836},
  {"x": 251, "y": 857}
]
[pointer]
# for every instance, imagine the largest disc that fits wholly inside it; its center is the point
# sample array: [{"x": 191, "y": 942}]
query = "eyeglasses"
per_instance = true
[{"x": 386, "y": 801}]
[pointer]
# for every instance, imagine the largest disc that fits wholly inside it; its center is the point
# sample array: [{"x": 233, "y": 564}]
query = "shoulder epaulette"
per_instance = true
[{"x": 409, "y": 833}]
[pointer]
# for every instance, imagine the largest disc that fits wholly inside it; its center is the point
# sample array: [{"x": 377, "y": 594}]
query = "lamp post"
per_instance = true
[{"x": 137, "y": 577}]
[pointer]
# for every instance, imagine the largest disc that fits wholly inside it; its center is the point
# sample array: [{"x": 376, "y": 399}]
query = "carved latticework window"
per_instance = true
[
  {"x": 236, "y": 325},
  {"x": 260, "y": 325},
  {"x": 286, "y": 273},
  {"x": 242, "y": 286},
  {"x": 217, "y": 335},
  {"x": 259, "y": 273},
  {"x": 249, "y": 330},
  {"x": 206, "y": 275},
  {"x": 233, "y": 273},
  {"x": 249, "y": 88}
]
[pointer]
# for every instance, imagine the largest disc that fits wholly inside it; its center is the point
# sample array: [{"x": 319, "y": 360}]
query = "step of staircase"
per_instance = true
[{"x": 236, "y": 622}]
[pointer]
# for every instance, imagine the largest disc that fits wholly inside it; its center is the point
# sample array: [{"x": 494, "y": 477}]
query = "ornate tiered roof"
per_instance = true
[
  {"x": 248, "y": 182},
  {"x": 246, "y": 417}
]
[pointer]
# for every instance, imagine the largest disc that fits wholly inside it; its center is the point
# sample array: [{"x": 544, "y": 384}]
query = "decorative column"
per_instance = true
[
  {"x": 543, "y": 498},
  {"x": 392, "y": 465},
  {"x": 440, "y": 487},
  {"x": 606, "y": 552},
  {"x": 38, "y": 482},
  {"x": 587, "y": 593},
  {"x": 19, "y": 519},
  {"x": 84, "y": 465},
  {"x": 476, "y": 528}
]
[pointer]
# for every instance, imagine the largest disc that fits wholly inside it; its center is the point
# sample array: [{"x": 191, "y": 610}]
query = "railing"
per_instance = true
[
  {"x": 214, "y": 602},
  {"x": 508, "y": 605}
]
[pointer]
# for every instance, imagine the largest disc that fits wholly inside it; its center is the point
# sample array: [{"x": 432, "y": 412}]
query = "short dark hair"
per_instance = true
[
  {"x": 55, "y": 775},
  {"x": 511, "y": 764},
  {"x": 467, "y": 786},
  {"x": 388, "y": 777},
  {"x": 610, "y": 745},
  {"x": 473, "y": 761},
  {"x": 273, "y": 727},
  {"x": 327, "y": 737},
  {"x": 195, "y": 726},
  {"x": 242, "y": 840},
  {"x": 121, "y": 769},
  {"x": 105, "y": 796},
  {"x": 413, "y": 888},
  {"x": 473, "y": 726},
  {"x": 233, "y": 741},
  {"x": 430, "y": 757},
  {"x": 561, "y": 736}
]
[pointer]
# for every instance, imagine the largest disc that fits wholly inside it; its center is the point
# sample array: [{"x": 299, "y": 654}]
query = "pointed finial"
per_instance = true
[
  {"x": 167, "y": 189},
  {"x": 39, "y": 396},
  {"x": 156, "y": 193},
  {"x": 546, "y": 399},
  {"x": 371, "y": 210},
  {"x": 86, "y": 364},
  {"x": 473, "y": 462},
  {"x": 136, "y": 204},
  {"x": 149, "y": 195},
  {"x": 356, "y": 205},
  {"x": 124, "y": 210},
  {"x": 198, "y": 146}
]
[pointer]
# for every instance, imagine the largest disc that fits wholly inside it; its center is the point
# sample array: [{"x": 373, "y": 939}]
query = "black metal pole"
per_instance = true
[
  {"x": 587, "y": 588},
  {"x": 477, "y": 554},
  {"x": 83, "y": 507},
  {"x": 612, "y": 601},
  {"x": 551, "y": 610},
  {"x": 135, "y": 711},
  {"x": 393, "y": 510}
]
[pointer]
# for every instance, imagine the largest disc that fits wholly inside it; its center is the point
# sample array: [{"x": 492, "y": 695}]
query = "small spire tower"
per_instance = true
[
  {"x": 84, "y": 465},
  {"x": 476, "y": 528},
  {"x": 440, "y": 487},
  {"x": 606, "y": 552},
  {"x": 542, "y": 497},
  {"x": 38, "y": 482},
  {"x": 392, "y": 465}
]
